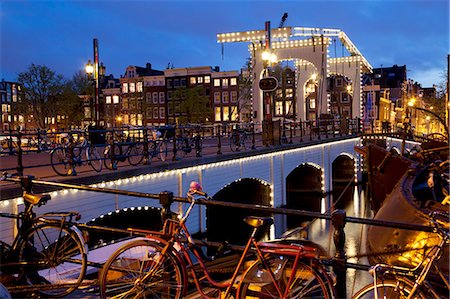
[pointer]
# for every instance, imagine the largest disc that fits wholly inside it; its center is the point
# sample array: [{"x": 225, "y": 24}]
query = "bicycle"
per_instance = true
[
  {"x": 402, "y": 282},
  {"x": 157, "y": 147},
  {"x": 238, "y": 140},
  {"x": 116, "y": 152},
  {"x": 48, "y": 252},
  {"x": 185, "y": 144},
  {"x": 72, "y": 152},
  {"x": 161, "y": 265}
]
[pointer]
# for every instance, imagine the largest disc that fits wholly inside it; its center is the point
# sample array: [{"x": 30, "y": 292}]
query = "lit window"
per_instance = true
[
  {"x": 225, "y": 82},
  {"x": 226, "y": 113},
  {"x": 289, "y": 93},
  {"x": 233, "y": 96},
  {"x": 218, "y": 114},
  {"x": 233, "y": 81},
  {"x": 161, "y": 97},
  {"x": 312, "y": 103},
  {"x": 139, "y": 119},
  {"x": 207, "y": 79},
  {"x": 225, "y": 97},
  {"x": 216, "y": 97},
  {"x": 139, "y": 87},
  {"x": 288, "y": 108},
  {"x": 125, "y": 87},
  {"x": 155, "y": 98},
  {"x": 200, "y": 80},
  {"x": 192, "y": 80},
  {"x": 108, "y": 99},
  {"x": 278, "y": 108},
  {"x": 216, "y": 82},
  {"x": 132, "y": 87},
  {"x": 234, "y": 113},
  {"x": 116, "y": 99}
]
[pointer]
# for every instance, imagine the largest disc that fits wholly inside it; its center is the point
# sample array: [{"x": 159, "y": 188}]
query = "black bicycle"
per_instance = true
[
  {"x": 47, "y": 257},
  {"x": 185, "y": 144}
]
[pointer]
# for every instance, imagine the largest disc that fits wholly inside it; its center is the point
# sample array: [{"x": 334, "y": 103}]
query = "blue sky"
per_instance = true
[{"x": 59, "y": 34}]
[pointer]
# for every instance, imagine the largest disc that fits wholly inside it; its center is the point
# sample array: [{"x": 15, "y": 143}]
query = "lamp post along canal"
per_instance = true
[{"x": 95, "y": 71}]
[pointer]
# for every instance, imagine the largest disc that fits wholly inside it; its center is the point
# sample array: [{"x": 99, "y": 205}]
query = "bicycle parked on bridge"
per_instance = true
[
  {"x": 160, "y": 266},
  {"x": 74, "y": 152},
  {"x": 187, "y": 142},
  {"x": 47, "y": 256},
  {"x": 157, "y": 147},
  {"x": 121, "y": 150},
  {"x": 239, "y": 140},
  {"x": 401, "y": 282}
]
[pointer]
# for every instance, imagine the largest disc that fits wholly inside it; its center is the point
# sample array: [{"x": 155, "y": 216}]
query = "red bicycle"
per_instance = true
[{"x": 162, "y": 264}]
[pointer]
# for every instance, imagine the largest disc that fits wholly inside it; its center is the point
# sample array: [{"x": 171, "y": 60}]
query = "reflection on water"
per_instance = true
[{"x": 321, "y": 232}]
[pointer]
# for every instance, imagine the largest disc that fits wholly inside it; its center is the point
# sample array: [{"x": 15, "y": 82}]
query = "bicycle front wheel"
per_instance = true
[
  {"x": 135, "y": 154},
  {"x": 301, "y": 282},
  {"x": 60, "y": 161},
  {"x": 54, "y": 260},
  {"x": 94, "y": 159},
  {"x": 139, "y": 270},
  {"x": 234, "y": 143},
  {"x": 392, "y": 289}
]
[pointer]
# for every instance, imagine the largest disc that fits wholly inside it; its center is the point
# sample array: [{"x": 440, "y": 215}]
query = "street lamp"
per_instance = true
[{"x": 94, "y": 70}]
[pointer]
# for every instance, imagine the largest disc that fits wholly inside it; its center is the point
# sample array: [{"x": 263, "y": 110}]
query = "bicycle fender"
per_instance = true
[{"x": 79, "y": 234}]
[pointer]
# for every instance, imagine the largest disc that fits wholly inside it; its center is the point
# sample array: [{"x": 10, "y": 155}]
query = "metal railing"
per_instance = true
[
  {"x": 337, "y": 217},
  {"x": 199, "y": 139}
]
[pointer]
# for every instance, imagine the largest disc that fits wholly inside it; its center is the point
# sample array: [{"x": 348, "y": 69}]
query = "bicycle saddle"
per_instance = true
[
  {"x": 36, "y": 198},
  {"x": 258, "y": 221}
]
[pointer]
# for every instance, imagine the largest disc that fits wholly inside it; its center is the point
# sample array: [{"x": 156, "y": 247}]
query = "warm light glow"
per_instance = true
[
  {"x": 265, "y": 56},
  {"x": 89, "y": 68},
  {"x": 349, "y": 88},
  {"x": 411, "y": 102},
  {"x": 428, "y": 118},
  {"x": 119, "y": 118},
  {"x": 314, "y": 77}
]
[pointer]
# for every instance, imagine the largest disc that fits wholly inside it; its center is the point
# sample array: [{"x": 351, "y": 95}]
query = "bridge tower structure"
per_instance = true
[{"x": 309, "y": 49}]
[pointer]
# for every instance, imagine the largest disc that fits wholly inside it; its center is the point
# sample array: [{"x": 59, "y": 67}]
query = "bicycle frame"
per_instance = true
[
  {"x": 182, "y": 238},
  {"x": 418, "y": 277}
]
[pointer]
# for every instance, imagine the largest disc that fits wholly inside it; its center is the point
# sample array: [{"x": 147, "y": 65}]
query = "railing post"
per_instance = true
[
  {"x": 310, "y": 130},
  {"x": 39, "y": 139},
  {"x": 219, "y": 144},
  {"x": 166, "y": 200},
  {"x": 198, "y": 149},
  {"x": 19, "y": 154},
  {"x": 174, "y": 141},
  {"x": 112, "y": 154},
  {"x": 290, "y": 132},
  {"x": 253, "y": 136},
  {"x": 318, "y": 128},
  {"x": 145, "y": 143},
  {"x": 70, "y": 147},
  {"x": 338, "y": 220},
  {"x": 10, "y": 142}
]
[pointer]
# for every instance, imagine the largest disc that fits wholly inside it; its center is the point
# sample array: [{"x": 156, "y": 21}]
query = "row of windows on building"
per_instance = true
[{"x": 130, "y": 87}]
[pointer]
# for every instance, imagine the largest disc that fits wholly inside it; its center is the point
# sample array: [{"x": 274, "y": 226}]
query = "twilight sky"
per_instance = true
[{"x": 59, "y": 34}]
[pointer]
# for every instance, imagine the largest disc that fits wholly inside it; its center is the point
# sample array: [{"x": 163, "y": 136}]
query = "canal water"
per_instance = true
[{"x": 321, "y": 232}]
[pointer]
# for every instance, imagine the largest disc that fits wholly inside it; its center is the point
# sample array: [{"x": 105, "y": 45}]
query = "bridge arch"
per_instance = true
[
  {"x": 223, "y": 222},
  {"x": 343, "y": 177},
  {"x": 304, "y": 191}
]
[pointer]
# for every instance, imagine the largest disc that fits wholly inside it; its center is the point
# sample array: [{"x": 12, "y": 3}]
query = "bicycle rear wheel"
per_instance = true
[
  {"x": 135, "y": 154},
  {"x": 139, "y": 270},
  {"x": 59, "y": 159},
  {"x": 303, "y": 282},
  {"x": 162, "y": 155},
  {"x": 55, "y": 260},
  {"x": 234, "y": 142},
  {"x": 108, "y": 162},
  {"x": 392, "y": 289},
  {"x": 94, "y": 159}
]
